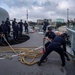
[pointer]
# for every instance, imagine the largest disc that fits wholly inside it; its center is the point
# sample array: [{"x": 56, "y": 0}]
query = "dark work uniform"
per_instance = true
[
  {"x": 20, "y": 27},
  {"x": 50, "y": 35},
  {"x": 26, "y": 27},
  {"x": 0, "y": 32},
  {"x": 7, "y": 23},
  {"x": 5, "y": 30},
  {"x": 15, "y": 29},
  {"x": 45, "y": 26},
  {"x": 55, "y": 45}
]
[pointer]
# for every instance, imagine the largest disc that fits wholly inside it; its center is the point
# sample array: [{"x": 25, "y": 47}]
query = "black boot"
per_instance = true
[
  {"x": 63, "y": 64},
  {"x": 38, "y": 63},
  {"x": 68, "y": 59}
]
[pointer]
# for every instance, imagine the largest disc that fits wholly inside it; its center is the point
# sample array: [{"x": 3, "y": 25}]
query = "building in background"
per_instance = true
[
  {"x": 40, "y": 21},
  {"x": 60, "y": 20},
  {"x": 3, "y": 15},
  {"x": 50, "y": 21}
]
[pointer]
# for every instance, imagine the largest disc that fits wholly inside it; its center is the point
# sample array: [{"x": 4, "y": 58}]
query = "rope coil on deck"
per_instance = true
[
  {"x": 30, "y": 55},
  {"x": 26, "y": 54}
]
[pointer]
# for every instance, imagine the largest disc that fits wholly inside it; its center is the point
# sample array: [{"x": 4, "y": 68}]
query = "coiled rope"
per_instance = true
[
  {"x": 27, "y": 54},
  {"x": 8, "y": 43}
]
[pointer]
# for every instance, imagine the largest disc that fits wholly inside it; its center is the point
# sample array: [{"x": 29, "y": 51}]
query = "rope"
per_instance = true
[
  {"x": 27, "y": 54},
  {"x": 30, "y": 55},
  {"x": 8, "y": 44}
]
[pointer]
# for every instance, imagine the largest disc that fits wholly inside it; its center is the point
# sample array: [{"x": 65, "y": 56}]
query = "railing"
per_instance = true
[{"x": 71, "y": 26}]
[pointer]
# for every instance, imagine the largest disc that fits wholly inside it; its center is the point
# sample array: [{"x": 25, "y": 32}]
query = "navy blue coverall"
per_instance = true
[
  {"x": 45, "y": 26},
  {"x": 15, "y": 29},
  {"x": 50, "y": 35},
  {"x": 7, "y": 23},
  {"x": 26, "y": 27},
  {"x": 21, "y": 27},
  {"x": 0, "y": 32},
  {"x": 4, "y": 30},
  {"x": 55, "y": 45}
]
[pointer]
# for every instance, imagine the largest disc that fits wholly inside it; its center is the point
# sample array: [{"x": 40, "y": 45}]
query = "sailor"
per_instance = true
[
  {"x": 15, "y": 29},
  {"x": 20, "y": 27},
  {"x": 0, "y": 32},
  {"x": 4, "y": 30},
  {"x": 45, "y": 24},
  {"x": 7, "y": 23},
  {"x": 55, "y": 45},
  {"x": 50, "y": 35},
  {"x": 1, "y": 29},
  {"x": 26, "y": 27}
]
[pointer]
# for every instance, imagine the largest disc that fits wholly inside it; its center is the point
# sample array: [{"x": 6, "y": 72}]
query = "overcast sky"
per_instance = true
[{"x": 39, "y": 9}]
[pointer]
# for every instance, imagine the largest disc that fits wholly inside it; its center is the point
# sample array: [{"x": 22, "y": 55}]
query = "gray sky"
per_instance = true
[{"x": 39, "y": 9}]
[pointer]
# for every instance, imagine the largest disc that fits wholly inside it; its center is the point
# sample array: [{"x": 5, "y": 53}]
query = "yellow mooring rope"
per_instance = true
[
  {"x": 27, "y": 54},
  {"x": 30, "y": 55},
  {"x": 8, "y": 44}
]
